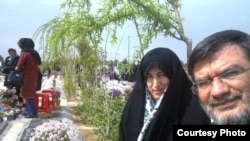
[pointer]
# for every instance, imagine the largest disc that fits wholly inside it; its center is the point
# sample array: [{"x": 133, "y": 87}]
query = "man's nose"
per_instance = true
[{"x": 218, "y": 87}]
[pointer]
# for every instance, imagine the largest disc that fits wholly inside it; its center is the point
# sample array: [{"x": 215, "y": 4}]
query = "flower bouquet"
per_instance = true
[{"x": 54, "y": 130}]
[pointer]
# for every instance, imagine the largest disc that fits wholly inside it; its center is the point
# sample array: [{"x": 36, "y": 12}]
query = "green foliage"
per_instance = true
[
  {"x": 102, "y": 111},
  {"x": 69, "y": 85}
]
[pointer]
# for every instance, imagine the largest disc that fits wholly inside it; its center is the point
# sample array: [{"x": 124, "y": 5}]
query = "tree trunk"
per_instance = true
[{"x": 189, "y": 48}]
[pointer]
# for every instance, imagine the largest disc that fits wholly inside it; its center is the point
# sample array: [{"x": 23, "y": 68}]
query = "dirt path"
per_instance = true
[{"x": 86, "y": 131}]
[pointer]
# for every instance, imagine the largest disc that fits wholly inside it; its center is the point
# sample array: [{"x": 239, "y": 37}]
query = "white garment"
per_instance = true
[{"x": 151, "y": 108}]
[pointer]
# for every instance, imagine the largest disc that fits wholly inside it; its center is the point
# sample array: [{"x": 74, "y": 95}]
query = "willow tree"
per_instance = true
[
  {"x": 72, "y": 40},
  {"x": 151, "y": 18},
  {"x": 61, "y": 37}
]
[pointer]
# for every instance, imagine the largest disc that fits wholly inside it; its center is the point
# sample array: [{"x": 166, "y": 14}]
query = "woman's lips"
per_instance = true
[{"x": 158, "y": 92}]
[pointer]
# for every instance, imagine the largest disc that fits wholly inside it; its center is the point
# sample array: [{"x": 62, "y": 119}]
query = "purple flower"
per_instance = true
[
  {"x": 115, "y": 92},
  {"x": 57, "y": 93},
  {"x": 127, "y": 89}
]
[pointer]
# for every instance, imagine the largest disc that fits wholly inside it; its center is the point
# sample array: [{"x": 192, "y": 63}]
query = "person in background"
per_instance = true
[
  {"x": 219, "y": 66},
  {"x": 39, "y": 80},
  {"x": 162, "y": 97},
  {"x": 49, "y": 73},
  {"x": 10, "y": 65},
  {"x": 133, "y": 72},
  {"x": 124, "y": 75},
  {"x": 28, "y": 63}
]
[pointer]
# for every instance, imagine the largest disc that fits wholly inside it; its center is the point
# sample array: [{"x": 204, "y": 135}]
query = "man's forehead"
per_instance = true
[{"x": 224, "y": 57}]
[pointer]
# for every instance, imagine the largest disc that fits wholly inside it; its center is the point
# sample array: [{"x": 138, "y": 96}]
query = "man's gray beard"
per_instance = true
[{"x": 241, "y": 118}]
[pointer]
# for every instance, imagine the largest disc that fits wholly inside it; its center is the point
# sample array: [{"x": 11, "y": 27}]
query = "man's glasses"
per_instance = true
[{"x": 203, "y": 85}]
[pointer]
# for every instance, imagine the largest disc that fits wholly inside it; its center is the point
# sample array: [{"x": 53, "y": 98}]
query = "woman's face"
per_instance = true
[
  {"x": 12, "y": 54},
  {"x": 157, "y": 81}
]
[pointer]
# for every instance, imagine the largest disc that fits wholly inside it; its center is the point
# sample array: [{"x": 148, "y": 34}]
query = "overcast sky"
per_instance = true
[{"x": 21, "y": 18}]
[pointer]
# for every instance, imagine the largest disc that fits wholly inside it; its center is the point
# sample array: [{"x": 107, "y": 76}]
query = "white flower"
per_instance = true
[{"x": 54, "y": 130}]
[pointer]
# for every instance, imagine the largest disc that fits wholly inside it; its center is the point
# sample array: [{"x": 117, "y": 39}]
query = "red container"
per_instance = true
[
  {"x": 42, "y": 102},
  {"x": 52, "y": 97}
]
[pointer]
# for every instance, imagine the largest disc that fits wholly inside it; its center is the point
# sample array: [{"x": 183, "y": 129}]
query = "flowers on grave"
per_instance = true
[
  {"x": 8, "y": 97},
  {"x": 54, "y": 130},
  {"x": 127, "y": 89},
  {"x": 115, "y": 91},
  {"x": 114, "y": 88}
]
